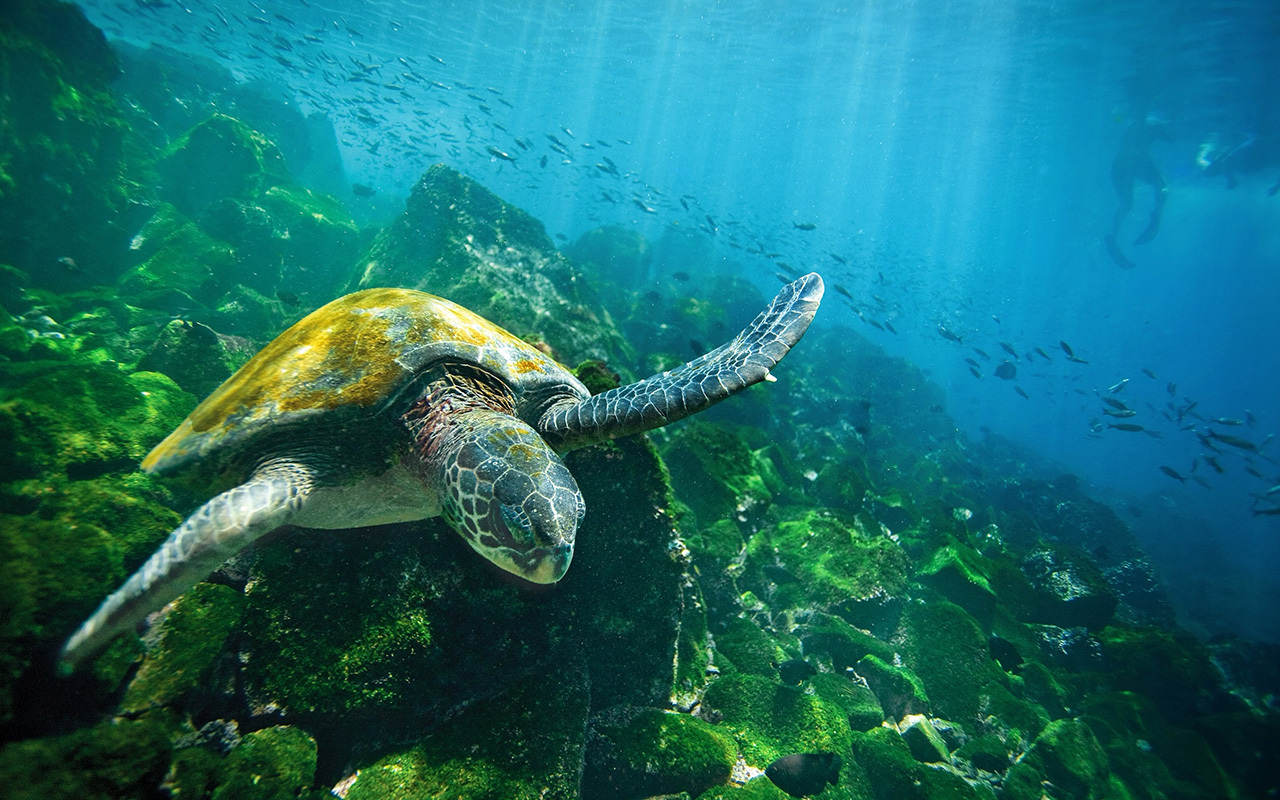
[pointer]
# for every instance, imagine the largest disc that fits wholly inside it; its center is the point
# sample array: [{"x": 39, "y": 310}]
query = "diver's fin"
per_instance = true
[
  {"x": 668, "y": 396},
  {"x": 1149, "y": 233},
  {"x": 216, "y": 531},
  {"x": 1113, "y": 250}
]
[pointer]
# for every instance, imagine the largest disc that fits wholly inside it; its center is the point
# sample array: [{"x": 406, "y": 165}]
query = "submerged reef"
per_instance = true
[{"x": 822, "y": 566}]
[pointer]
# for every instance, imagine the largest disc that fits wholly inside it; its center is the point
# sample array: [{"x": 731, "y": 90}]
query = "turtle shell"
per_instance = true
[{"x": 352, "y": 359}]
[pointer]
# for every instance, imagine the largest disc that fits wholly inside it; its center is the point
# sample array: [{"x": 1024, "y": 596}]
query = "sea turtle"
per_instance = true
[{"x": 391, "y": 405}]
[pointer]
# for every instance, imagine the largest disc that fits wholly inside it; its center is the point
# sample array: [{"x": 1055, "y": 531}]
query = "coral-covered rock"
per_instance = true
[
  {"x": 460, "y": 241},
  {"x": 1071, "y": 589}
]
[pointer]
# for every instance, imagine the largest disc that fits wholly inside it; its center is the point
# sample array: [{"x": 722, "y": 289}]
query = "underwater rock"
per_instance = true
[
  {"x": 523, "y": 743},
  {"x": 118, "y": 758},
  {"x": 803, "y": 774},
  {"x": 716, "y": 473},
  {"x": 1072, "y": 591},
  {"x": 182, "y": 269},
  {"x": 885, "y": 768},
  {"x": 636, "y": 753},
  {"x": 769, "y": 720},
  {"x": 1074, "y": 649},
  {"x": 953, "y": 571},
  {"x": 948, "y": 650},
  {"x": 1143, "y": 600},
  {"x": 189, "y": 637},
  {"x": 1068, "y": 756},
  {"x": 459, "y": 240},
  {"x": 195, "y": 356},
  {"x": 321, "y": 242},
  {"x": 221, "y": 157},
  {"x": 987, "y": 752},
  {"x": 84, "y": 419},
  {"x": 276, "y": 762},
  {"x": 613, "y": 254},
  {"x": 844, "y": 644},
  {"x": 169, "y": 91},
  {"x": 843, "y": 568},
  {"x": 898, "y": 689},
  {"x": 67, "y": 189},
  {"x": 923, "y": 740},
  {"x": 246, "y": 312}
]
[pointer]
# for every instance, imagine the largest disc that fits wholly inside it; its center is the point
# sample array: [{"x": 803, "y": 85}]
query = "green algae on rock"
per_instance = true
[
  {"x": 218, "y": 158},
  {"x": 523, "y": 743},
  {"x": 641, "y": 752},
  {"x": 458, "y": 239}
]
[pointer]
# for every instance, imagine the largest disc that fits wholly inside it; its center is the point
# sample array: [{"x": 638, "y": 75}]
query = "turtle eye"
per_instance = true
[{"x": 518, "y": 523}]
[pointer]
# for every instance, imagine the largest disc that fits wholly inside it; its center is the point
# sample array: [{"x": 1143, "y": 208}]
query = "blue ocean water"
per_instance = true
[{"x": 948, "y": 164}]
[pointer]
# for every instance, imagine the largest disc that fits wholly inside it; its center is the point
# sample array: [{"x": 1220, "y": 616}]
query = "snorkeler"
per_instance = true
[{"x": 1133, "y": 163}]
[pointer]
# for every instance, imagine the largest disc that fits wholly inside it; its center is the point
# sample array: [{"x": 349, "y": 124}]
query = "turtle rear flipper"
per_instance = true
[
  {"x": 216, "y": 531},
  {"x": 666, "y": 397}
]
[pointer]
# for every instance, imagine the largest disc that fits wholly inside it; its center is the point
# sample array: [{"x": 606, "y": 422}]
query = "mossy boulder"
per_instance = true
[
  {"x": 1067, "y": 755},
  {"x": 460, "y": 241},
  {"x": 898, "y": 690},
  {"x": 716, "y": 473},
  {"x": 844, "y": 644},
  {"x": 85, "y": 419},
  {"x": 429, "y": 604},
  {"x": 859, "y": 704},
  {"x": 195, "y": 356},
  {"x": 1172, "y": 668},
  {"x": 182, "y": 269},
  {"x": 526, "y": 743},
  {"x": 841, "y": 567},
  {"x": 948, "y": 649},
  {"x": 885, "y": 768},
  {"x": 744, "y": 647},
  {"x": 322, "y": 244},
  {"x": 637, "y": 753},
  {"x": 955, "y": 572},
  {"x": 768, "y": 720},
  {"x": 1153, "y": 758},
  {"x": 68, "y": 186},
  {"x": 1071, "y": 590},
  {"x": 118, "y": 758},
  {"x": 759, "y": 788},
  {"x": 188, "y": 639},
  {"x": 220, "y": 157},
  {"x": 270, "y": 764},
  {"x": 614, "y": 254}
]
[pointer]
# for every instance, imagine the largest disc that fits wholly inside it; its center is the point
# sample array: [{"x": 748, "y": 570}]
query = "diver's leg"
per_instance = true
[{"x": 1150, "y": 175}]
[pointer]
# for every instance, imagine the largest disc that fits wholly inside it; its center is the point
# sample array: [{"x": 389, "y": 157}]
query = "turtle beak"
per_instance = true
[{"x": 552, "y": 563}]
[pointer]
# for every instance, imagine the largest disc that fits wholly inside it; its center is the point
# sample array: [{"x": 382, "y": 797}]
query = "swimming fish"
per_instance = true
[
  {"x": 795, "y": 671},
  {"x": 804, "y": 774},
  {"x": 1006, "y": 371}
]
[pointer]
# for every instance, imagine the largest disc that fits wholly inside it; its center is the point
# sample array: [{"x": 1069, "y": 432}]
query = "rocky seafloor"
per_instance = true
[{"x": 820, "y": 565}]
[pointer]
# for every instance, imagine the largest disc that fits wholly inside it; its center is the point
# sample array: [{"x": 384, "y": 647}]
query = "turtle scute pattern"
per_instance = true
[{"x": 348, "y": 358}]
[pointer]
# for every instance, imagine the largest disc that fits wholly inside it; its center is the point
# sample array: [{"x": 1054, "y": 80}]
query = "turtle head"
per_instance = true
[{"x": 509, "y": 495}]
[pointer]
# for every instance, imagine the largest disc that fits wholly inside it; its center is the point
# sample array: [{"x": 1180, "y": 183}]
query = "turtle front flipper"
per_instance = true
[
  {"x": 692, "y": 387},
  {"x": 216, "y": 531}
]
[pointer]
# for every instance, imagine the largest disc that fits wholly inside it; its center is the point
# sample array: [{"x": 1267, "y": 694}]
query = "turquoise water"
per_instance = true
[
  {"x": 955, "y": 157},
  {"x": 1012, "y": 504}
]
